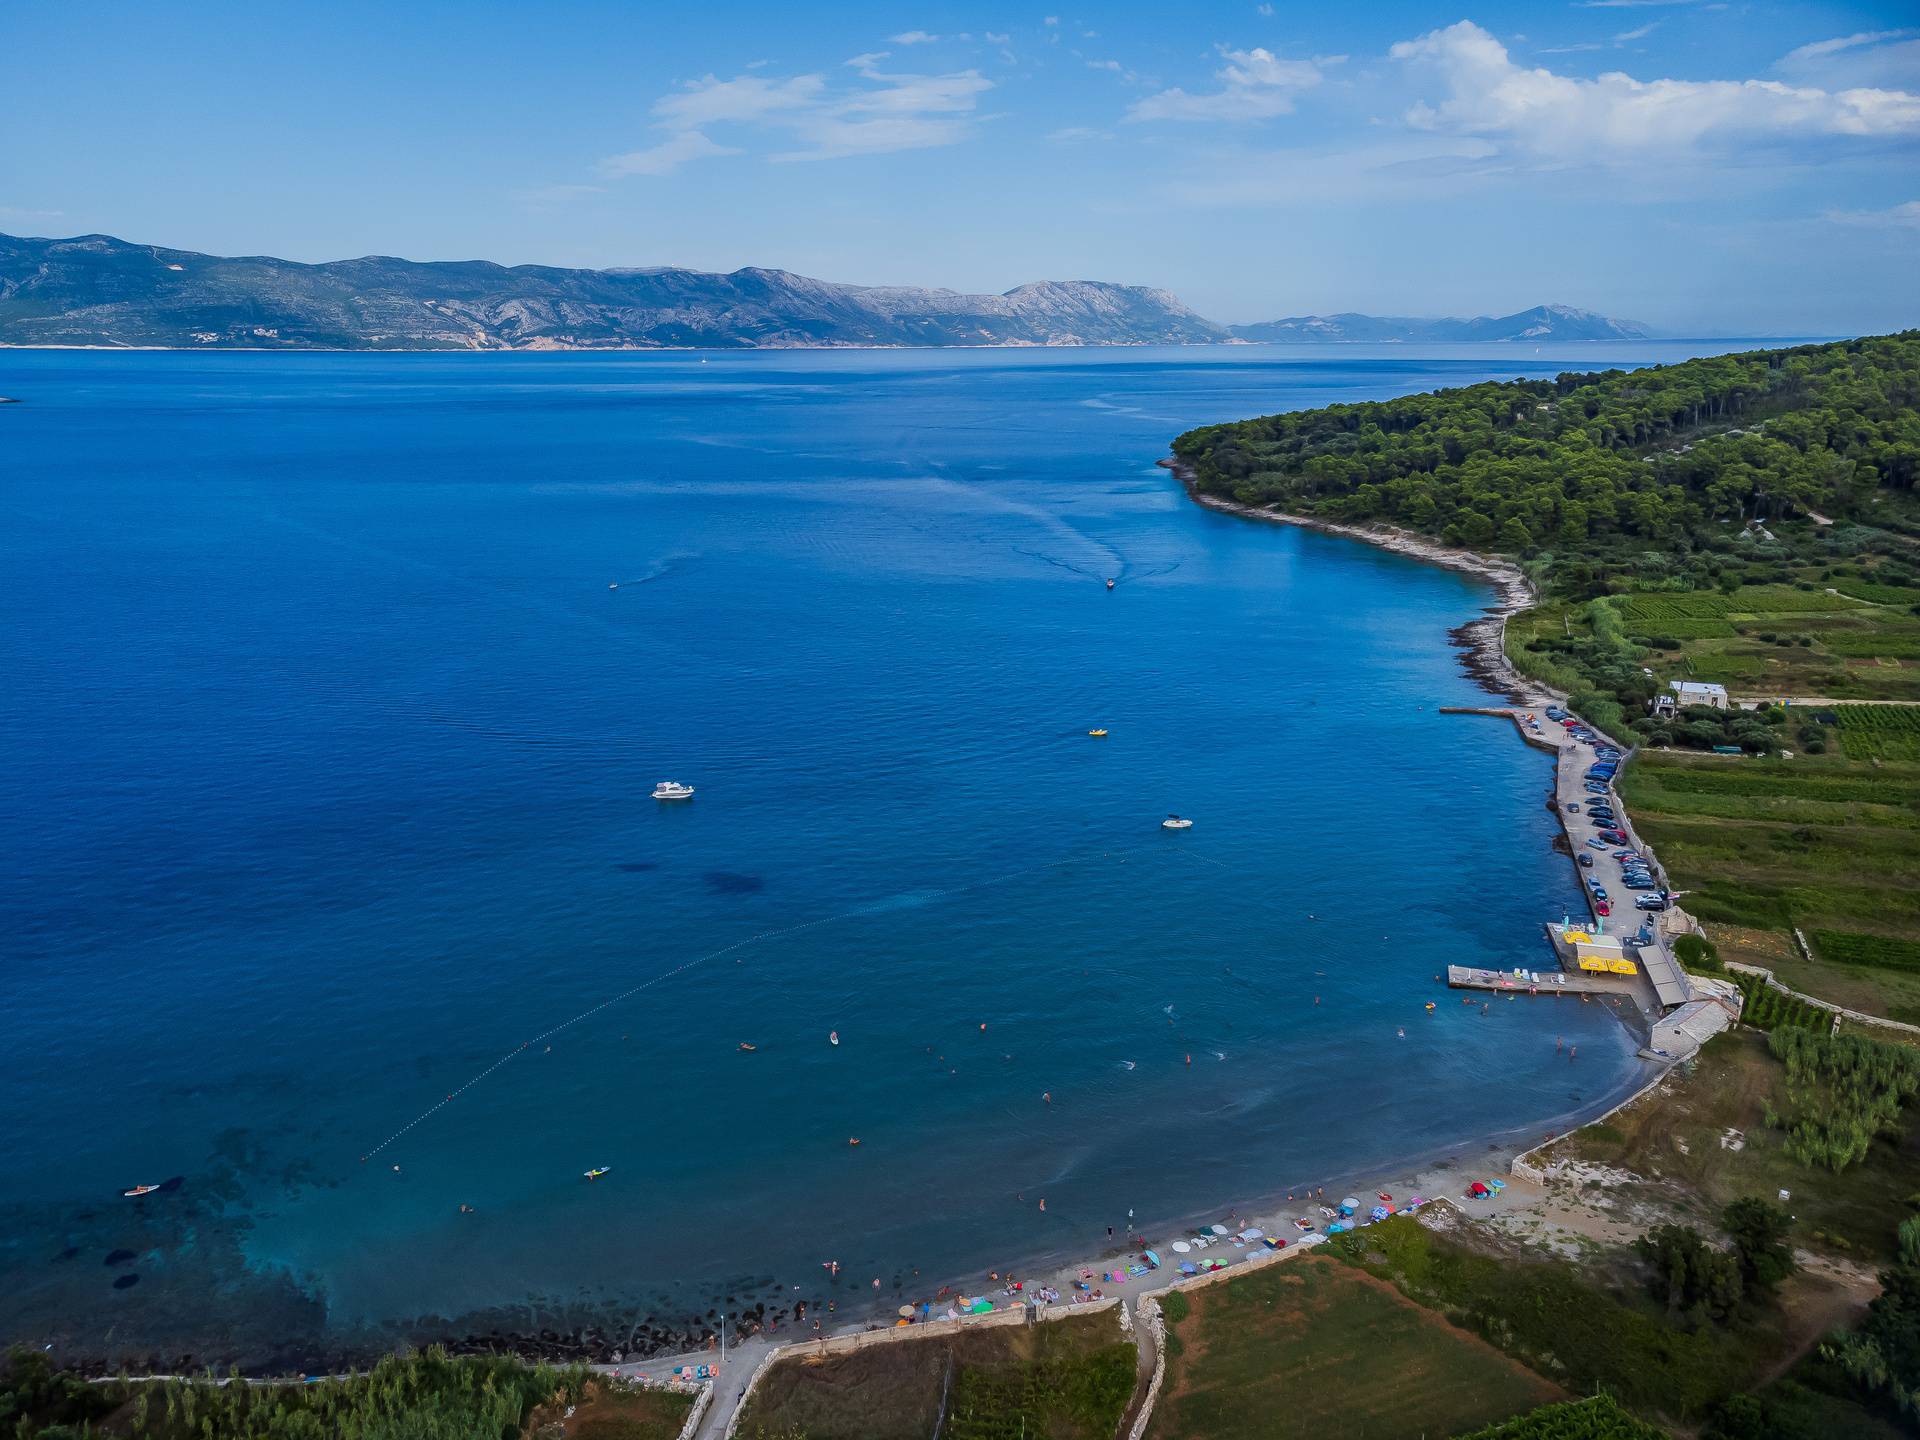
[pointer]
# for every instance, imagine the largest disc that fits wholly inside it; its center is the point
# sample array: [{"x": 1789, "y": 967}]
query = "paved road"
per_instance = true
[{"x": 735, "y": 1372}]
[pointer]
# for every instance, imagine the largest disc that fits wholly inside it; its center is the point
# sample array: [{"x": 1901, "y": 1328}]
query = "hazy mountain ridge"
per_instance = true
[
  {"x": 96, "y": 290},
  {"x": 1542, "y": 322}
]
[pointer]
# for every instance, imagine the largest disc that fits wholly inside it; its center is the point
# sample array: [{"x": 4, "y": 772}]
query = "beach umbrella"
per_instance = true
[
  {"x": 906, "y": 1312},
  {"x": 1187, "y": 1267},
  {"x": 1181, "y": 1247},
  {"x": 1476, "y": 1188},
  {"x": 1350, "y": 1204},
  {"x": 1151, "y": 1258},
  {"x": 1379, "y": 1212},
  {"x": 1250, "y": 1234},
  {"x": 1220, "y": 1230}
]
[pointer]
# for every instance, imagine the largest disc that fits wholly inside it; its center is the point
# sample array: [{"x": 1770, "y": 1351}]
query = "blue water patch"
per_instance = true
[{"x": 338, "y": 686}]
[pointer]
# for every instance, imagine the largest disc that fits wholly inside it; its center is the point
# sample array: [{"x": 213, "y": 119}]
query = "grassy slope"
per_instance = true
[
  {"x": 1677, "y": 1138},
  {"x": 1312, "y": 1348}
]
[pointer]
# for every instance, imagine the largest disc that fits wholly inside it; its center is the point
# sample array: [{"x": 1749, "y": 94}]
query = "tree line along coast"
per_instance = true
[
  {"x": 1725, "y": 555},
  {"x": 1725, "y": 559}
]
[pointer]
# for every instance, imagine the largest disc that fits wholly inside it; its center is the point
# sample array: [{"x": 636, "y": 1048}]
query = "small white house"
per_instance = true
[{"x": 1690, "y": 692}]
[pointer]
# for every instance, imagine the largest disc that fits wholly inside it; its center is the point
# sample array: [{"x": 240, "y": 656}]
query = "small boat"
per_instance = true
[
  {"x": 614, "y": 586},
  {"x": 1098, "y": 734},
  {"x": 747, "y": 1049},
  {"x": 672, "y": 790},
  {"x": 1109, "y": 584},
  {"x": 138, "y": 1191},
  {"x": 1174, "y": 822},
  {"x": 833, "y": 1037},
  {"x": 598, "y": 1171},
  {"x": 854, "y": 1141}
]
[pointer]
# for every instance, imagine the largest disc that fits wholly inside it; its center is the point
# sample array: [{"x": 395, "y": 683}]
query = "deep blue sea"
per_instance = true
[{"x": 328, "y": 744}]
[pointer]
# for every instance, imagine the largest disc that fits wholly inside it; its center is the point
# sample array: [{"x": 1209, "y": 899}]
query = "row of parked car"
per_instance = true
[{"x": 1636, "y": 873}]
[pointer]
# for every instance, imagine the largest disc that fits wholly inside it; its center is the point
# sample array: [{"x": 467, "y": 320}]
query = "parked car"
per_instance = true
[
  {"x": 1603, "y": 909},
  {"x": 1651, "y": 902},
  {"x": 1586, "y": 861},
  {"x": 1614, "y": 836}
]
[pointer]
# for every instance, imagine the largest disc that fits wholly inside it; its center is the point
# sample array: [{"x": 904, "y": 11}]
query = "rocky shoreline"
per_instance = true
[{"x": 1481, "y": 641}]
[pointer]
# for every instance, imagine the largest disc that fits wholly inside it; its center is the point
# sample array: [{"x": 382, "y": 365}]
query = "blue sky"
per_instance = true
[{"x": 1734, "y": 168}]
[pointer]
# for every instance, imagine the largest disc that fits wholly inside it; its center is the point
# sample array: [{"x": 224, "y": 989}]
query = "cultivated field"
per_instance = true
[
  {"x": 1065, "y": 1380},
  {"x": 1824, "y": 843},
  {"x": 1315, "y": 1348}
]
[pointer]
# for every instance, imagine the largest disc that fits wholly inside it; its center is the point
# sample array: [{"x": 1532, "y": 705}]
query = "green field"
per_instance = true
[
  {"x": 1068, "y": 1379},
  {"x": 1312, "y": 1348},
  {"x": 1590, "y": 1332},
  {"x": 1820, "y": 842},
  {"x": 1879, "y": 732},
  {"x": 1778, "y": 640}
]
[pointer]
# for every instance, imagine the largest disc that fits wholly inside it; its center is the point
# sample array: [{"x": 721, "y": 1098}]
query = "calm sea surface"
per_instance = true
[{"x": 327, "y": 751}]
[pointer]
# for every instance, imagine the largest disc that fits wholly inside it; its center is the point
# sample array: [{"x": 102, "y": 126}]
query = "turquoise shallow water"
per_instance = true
[{"x": 328, "y": 756}]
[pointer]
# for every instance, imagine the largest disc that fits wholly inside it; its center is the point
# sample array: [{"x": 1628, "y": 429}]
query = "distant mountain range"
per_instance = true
[
  {"x": 1536, "y": 323},
  {"x": 96, "y": 290},
  {"x": 1542, "y": 322}
]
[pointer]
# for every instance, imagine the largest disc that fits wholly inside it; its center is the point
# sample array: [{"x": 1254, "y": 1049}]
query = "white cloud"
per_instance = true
[
  {"x": 1075, "y": 134},
  {"x": 1821, "y": 49},
  {"x": 666, "y": 157},
  {"x": 712, "y": 100},
  {"x": 993, "y": 38},
  {"x": 1559, "y": 117},
  {"x": 1256, "y": 85},
  {"x": 913, "y": 37},
  {"x": 1887, "y": 59},
  {"x": 815, "y": 118},
  {"x": 1627, "y": 36},
  {"x": 1901, "y": 217}
]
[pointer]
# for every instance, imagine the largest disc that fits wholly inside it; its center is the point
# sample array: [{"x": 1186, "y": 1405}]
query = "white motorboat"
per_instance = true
[
  {"x": 672, "y": 790},
  {"x": 1174, "y": 822}
]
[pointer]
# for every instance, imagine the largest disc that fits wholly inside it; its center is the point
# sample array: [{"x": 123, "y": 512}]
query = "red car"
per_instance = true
[{"x": 1604, "y": 907}]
